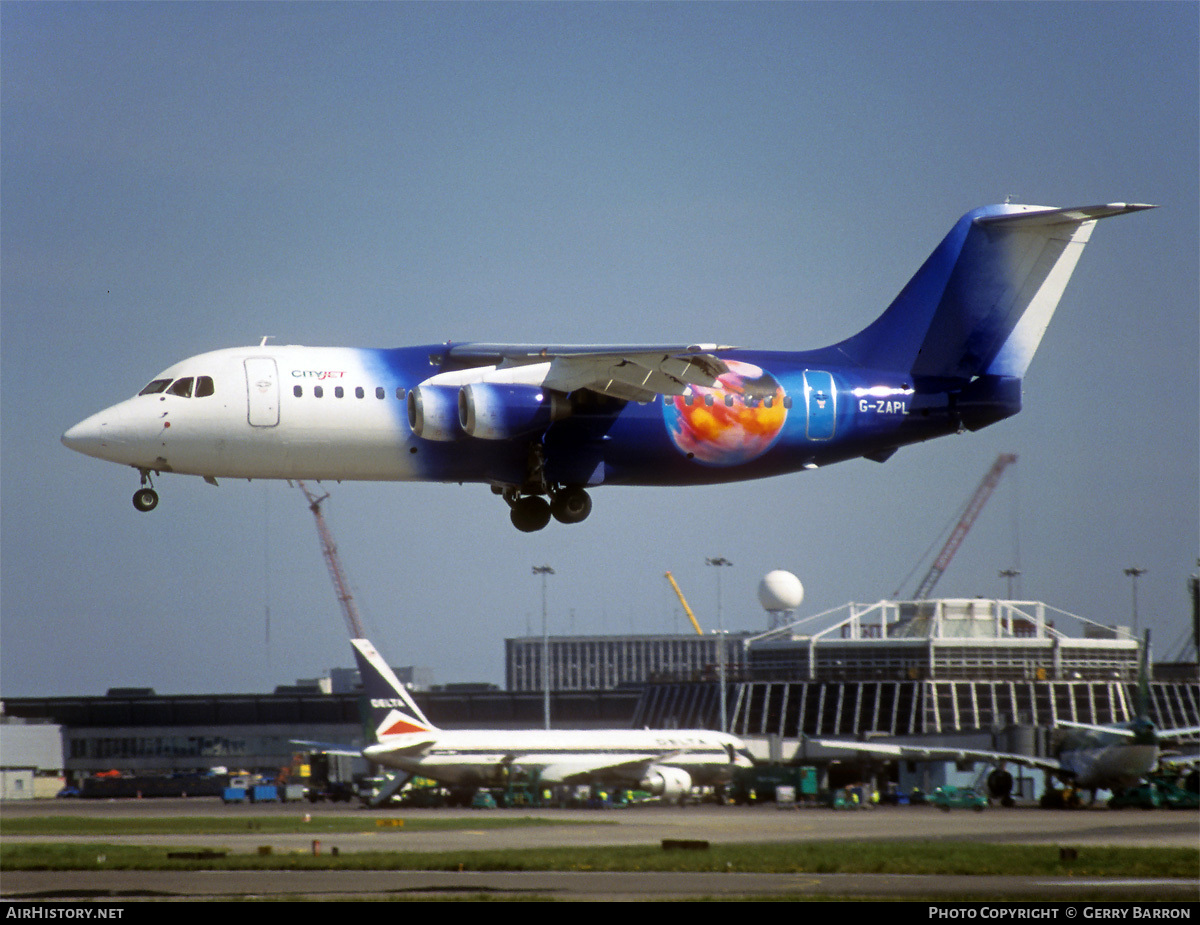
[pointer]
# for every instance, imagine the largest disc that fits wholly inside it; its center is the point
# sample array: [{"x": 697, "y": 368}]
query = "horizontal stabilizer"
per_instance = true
[
  {"x": 1065, "y": 216},
  {"x": 982, "y": 301}
]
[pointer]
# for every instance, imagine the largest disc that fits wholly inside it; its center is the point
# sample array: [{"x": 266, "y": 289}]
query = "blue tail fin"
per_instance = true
[{"x": 981, "y": 302}]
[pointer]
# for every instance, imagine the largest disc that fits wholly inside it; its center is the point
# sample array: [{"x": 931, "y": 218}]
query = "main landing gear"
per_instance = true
[
  {"x": 145, "y": 499},
  {"x": 567, "y": 504},
  {"x": 537, "y": 500}
]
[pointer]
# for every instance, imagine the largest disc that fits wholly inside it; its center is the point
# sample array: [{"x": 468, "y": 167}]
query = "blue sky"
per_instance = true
[{"x": 181, "y": 177}]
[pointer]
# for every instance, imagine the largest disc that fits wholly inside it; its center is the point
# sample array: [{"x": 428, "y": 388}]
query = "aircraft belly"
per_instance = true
[
  {"x": 1117, "y": 765},
  {"x": 284, "y": 452}
]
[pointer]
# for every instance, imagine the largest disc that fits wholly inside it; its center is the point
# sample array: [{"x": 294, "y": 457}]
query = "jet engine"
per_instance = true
[
  {"x": 669, "y": 783},
  {"x": 433, "y": 412},
  {"x": 497, "y": 411}
]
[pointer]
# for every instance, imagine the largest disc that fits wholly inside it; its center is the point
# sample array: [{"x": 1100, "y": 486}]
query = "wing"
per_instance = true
[
  {"x": 329, "y": 748},
  {"x": 1178, "y": 732},
  {"x": 623, "y": 372},
  {"x": 923, "y": 753},
  {"x": 629, "y": 766}
]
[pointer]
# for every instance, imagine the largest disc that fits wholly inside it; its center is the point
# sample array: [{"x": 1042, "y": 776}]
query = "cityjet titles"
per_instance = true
[
  {"x": 318, "y": 373},
  {"x": 1086, "y": 912}
]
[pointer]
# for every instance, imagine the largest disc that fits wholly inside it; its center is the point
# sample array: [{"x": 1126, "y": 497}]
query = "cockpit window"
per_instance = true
[
  {"x": 204, "y": 386},
  {"x": 182, "y": 388},
  {"x": 158, "y": 385}
]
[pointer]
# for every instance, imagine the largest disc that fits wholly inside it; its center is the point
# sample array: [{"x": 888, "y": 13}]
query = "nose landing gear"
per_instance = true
[{"x": 145, "y": 499}]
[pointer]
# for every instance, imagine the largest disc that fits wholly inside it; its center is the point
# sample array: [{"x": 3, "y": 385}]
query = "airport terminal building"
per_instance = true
[
  {"x": 986, "y": 673},
  {"x": 930, "y": 668}
]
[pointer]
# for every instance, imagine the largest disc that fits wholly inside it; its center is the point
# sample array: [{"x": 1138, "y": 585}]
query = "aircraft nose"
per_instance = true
[{"x": 90, "y": 436}]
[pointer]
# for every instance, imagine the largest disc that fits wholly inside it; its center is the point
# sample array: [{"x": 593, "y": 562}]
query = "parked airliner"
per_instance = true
[
  {"x": 542, "y": 424},
  {"x": 1084, "y": 755},
  {"x": 665, "y": 762}
]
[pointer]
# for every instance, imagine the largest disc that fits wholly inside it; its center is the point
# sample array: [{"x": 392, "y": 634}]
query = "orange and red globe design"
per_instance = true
[{"x": 732, "y": 423}]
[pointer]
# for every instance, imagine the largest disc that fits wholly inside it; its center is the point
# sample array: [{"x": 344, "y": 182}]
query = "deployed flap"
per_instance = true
[{"x": 628, "y": 373}]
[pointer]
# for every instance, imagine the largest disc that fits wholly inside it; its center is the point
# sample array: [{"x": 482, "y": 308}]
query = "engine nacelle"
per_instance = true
[
  {"x": 433, "y": 412},
  {"x": 668, "y": 783},
  {"x": 498, "y": 411}
]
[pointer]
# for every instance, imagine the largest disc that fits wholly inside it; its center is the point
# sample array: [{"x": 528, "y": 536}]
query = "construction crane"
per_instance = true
[
  {"x": 959, "y": 533},
  {"x": 329, "y": 549},
  {"x": 683, "y": 601}
]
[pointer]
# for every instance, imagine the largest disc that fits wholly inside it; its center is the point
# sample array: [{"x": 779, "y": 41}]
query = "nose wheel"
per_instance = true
[{"x": 145, "y": 499}]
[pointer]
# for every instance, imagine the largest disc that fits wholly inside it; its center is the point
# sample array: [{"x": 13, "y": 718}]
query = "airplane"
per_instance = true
[
  {"x": 543, "y": 424},
  {"x": 1084, "y": 755},
  {"x": 664, "y": 762}
]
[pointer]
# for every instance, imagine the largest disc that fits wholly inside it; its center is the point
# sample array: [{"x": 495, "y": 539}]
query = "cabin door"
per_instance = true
[
  {"x": 821, "y": 401},
  {"x": 262, "y": 392}
]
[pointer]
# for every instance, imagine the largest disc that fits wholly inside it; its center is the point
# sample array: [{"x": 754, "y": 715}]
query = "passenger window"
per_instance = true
[
  {"x": 204, "y": 386},
  {"x": 379, "y": 392},
  {"x": 318, "y": 391},
  {"x": 358, "y": 391},
  {"x": 400, "y": 393},
  {"x": 339, "y": 392},
  {"x": 158, "y": 385},
  {"x": 182, "y": 388},
  {"x": 298, "y": 390}
]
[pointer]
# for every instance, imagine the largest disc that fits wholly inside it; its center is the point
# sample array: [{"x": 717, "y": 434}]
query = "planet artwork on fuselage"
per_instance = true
[{"x": 732, "y": 423}]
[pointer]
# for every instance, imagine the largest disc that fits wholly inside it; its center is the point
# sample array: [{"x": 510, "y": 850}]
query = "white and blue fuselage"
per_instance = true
[{"x": 542, "y": 424}]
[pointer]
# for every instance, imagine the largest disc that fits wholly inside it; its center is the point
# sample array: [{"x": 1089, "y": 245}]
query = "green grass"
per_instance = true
[
  {"x": 267, "y": 825},
  {"x": 946, "y": 858}
]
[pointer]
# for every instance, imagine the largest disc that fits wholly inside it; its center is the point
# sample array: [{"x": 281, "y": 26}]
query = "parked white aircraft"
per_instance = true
[
  {"x": 665, "y": 762},
  {"x": 1086, "y": 756}
]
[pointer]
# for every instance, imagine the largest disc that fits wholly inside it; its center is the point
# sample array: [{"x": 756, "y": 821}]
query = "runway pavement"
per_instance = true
[{"x": 637, "y": 825}]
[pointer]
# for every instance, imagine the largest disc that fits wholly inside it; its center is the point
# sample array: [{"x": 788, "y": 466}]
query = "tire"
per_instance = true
[
  {"x": 571, "y": 505},
  {"x": 145, "y": 499},
  {"x": 530, "y": 514}
]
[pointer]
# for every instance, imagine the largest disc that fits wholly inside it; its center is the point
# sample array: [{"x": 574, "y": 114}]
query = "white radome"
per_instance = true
[{"x": 780, "y": 590}]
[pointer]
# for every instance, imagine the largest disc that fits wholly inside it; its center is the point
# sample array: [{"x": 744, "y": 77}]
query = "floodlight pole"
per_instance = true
[
  {"x": 1135, "y": 572},
  {"x": 545, "y": 570},
  {"x": 1010, "y": 574},
  {"x": 719, "y": 562}
]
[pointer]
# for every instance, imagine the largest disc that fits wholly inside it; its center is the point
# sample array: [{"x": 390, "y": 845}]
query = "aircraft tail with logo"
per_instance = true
[{"x": 389, "y": 713}]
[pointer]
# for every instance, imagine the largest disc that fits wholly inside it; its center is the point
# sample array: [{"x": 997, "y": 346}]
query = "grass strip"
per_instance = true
[{"x": 945, "y": 858}]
